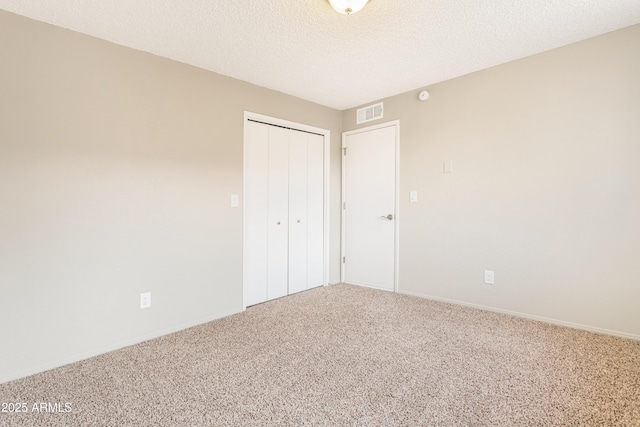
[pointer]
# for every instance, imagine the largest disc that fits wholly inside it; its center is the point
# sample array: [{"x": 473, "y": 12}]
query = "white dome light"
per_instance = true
[{"x": 347, "y": 7}]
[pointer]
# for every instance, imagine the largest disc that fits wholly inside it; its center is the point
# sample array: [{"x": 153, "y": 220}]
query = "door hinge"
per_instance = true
[
  {"x": 344, "y": 150},
  {"x": 344, "y": 259},
  {"x": 344, "y": 205}
]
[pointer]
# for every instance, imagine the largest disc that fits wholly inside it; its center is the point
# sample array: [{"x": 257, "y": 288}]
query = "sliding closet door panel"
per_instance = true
[
  {"x": 315, "y": 211},
  {"x": 256, "y": 203},
  {"x": 278, "y": 213},
  {"x": 297, "y": 211}
]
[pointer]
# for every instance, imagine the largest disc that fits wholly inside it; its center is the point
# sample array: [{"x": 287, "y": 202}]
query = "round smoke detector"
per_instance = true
[{"x": 424, "y": 95}]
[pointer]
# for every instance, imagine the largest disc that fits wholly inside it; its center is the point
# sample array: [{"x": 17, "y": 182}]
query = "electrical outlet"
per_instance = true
[
  {"x": 488, "y": 277},
  {"x": 145, "y": 300}
]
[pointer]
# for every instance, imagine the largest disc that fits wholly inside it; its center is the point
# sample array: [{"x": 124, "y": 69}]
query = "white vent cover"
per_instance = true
[{"x": 372, "y": 112}]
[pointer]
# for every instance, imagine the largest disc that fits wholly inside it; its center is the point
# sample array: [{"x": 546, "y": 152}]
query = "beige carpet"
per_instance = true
[{"x": 345, "y": 355}]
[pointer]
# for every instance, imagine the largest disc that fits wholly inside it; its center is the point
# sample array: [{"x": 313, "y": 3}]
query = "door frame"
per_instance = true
[
  {"x": 396, "y": 260},
  {"x": 248, "y": 115}
]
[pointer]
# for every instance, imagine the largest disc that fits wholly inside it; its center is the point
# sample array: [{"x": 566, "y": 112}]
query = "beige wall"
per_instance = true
[
  {"x": 545, "y": 189},
  {"x": 116, "y": 171}
]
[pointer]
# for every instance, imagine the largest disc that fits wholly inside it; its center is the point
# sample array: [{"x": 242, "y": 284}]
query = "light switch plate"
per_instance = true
[
  {"x": 413, "y": 196},
  {"x": 234, "y": 200},
  {"x": 448, "y": 166}
]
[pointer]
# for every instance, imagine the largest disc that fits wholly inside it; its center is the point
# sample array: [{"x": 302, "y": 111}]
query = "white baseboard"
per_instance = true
[
  {"x": 527, "y": 316},
  {"x": 102, "y": 350},
  {"x": 370, "y": 286}
]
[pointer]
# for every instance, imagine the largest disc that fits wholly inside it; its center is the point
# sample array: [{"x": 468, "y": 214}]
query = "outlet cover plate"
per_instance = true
[
  {"x": 145, "y": 300},
  {"x": 488, "y": 277}
]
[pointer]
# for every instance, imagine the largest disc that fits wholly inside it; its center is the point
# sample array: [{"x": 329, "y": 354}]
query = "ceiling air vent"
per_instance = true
[{"x": 372, "y": 112}]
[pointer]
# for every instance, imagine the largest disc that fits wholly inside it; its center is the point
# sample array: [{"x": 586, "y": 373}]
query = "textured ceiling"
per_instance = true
[{"x": 305, "y": 49}]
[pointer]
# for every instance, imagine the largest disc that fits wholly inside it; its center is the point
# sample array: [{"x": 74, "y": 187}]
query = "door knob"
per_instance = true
[{"x": 389, "y": 217}]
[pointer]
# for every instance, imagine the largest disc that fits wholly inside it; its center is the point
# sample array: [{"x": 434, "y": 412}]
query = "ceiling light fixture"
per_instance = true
[{"x": 347, "y": 7}]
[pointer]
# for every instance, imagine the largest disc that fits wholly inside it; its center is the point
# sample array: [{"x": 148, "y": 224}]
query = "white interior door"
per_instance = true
[
  {"x": 297, "y": 211},
  {"x": 315, "y": 211},
  {"x": 306, "y": 211},
  {"x": 370, "y": 213},
  {"x": 255, "y": 216},
  {"x": 278, "y": 213}
]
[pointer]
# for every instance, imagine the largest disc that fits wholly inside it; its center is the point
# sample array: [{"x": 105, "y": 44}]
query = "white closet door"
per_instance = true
[
  {"x": 256, "y": 203},
  {"x": 315, "y": 210},
  {"x": 278, "y": 213},
  {"x": 297, "y": 211},
  {"x": 284, "y": 212}
]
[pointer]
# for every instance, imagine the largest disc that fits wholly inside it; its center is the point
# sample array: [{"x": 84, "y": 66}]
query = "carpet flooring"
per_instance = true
[{"x": 344, "y": 355}]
